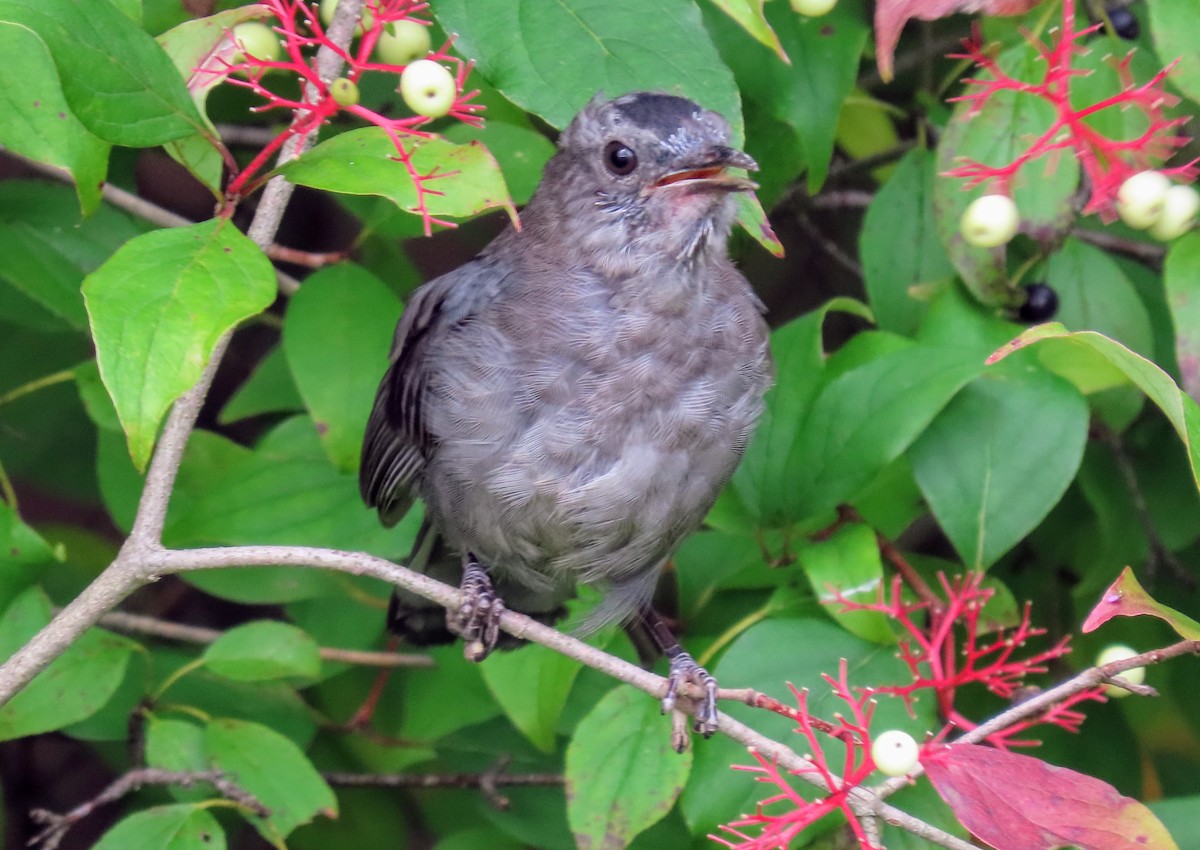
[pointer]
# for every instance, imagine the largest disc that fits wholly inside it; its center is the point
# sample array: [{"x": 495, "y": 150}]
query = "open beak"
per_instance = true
[{"x": 713, "y": 173}]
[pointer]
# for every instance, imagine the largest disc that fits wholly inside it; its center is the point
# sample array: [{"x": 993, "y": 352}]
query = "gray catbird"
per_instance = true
[{"x": 569, "y": 403}]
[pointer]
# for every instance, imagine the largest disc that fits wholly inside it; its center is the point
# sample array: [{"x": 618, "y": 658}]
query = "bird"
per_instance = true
[{"x": 569, "y": 403}]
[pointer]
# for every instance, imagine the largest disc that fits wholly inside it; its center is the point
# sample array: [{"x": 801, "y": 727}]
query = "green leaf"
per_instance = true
[
  {"x": 445, "y": 698},
  {"x": 849, "y": 563},
  {"x": 808, "y": 94},
  {"x": 117, "y": 81},
  {"x": 274, "y": 770},
  {"x": 1127, "y": 598},
  {"x": 520, "y": 149},
  {"x": 899, "y": 244},
  {"x": 157, "y": 308},
  {"x": 749, "y": 16},
  {"x": 551, "y": 56},
  {"x": 1095, "y": 295},
  {"x": 284, "y": 492},
  {"x": 363, "y": 162},
  {"x": 531, "y": 686},
  {"x": 866, "y": 128},
  {"x": 75, "y": 686},
  {"x": 864, "y": 419},
  {"x": 183, "y": 826},
  {"x": 49, "y": 247},
  {"x": 473, "y": 839},
  {"x": 24, "y": 554},
  {"x": 621, "y": 774},
  {"x": 275, "y": 705},
  {"x": 177, "y": 745},
  {"x": 1175, "y": 28},
  {"x": 200, "y": 49},
  {"x": 1181, "y": 275},
  {"x": 1092, "y": 361},
  {"x": 1179, "y": 816},
  {"x": 825, "y": 53},
  {"x": 998, "y": 458},
  {"x": 776, "y": 148},
  {"x": 799, "y": 357},
  {"x": 269, "y": 389},
  {"x": 35, "y": 120},
  {"x": 95, "y": 398},
  {"x": 995, "y": 136},
  {"x": 752, "y": 218},
  {"x": 264, "y": 650},
  {"x": 345, "y": 309}
]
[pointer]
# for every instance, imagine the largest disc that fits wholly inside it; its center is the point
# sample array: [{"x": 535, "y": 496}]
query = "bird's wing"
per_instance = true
[{"x": 397, "y": 443}]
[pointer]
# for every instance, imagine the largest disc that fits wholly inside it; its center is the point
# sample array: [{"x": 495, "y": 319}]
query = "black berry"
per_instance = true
[
  {"x": 1041, "y": 303},
  {"x": 1124, "y": 22}
]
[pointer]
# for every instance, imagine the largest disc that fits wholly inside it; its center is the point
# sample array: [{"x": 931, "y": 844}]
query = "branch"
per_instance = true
[
  {"x": 488, "y": 781},
  {"x": 58, "y": 825},
  {"x": 864, "y": 801},
  {"x": 126, "y": 573},
  {"x": 138, "y": 206},
  {"x": 139, "y": 624},
  {"x": 1040, "y": 703},
  {"x": 1144, "y": 251}
]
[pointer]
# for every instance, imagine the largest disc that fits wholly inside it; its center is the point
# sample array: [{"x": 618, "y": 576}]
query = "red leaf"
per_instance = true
[
  {"x": 1016, "y": 802},
  {"x": 892, "y": 15},
  {"x": 1127, "y": 598}
]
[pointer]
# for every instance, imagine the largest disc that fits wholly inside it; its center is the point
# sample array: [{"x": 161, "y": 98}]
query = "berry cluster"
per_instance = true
[
  {"x": 391, "y": 39},
  {"x": 1108, "y": 163},
  {"x": 948, "y": 644}
]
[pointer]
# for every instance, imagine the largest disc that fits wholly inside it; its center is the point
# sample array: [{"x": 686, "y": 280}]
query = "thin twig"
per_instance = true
[
  {"x": 138, "y": 206},
  {"x": 829, "y": 246},
  {"x": 1040, "y": 703},
  {"x": 896, "y": 558},
  {"x": 1152, "y": 254},
  {"x": 487, "y": 781},
  {"x": 128, "y": 571},
  {"x": 58, "y": 825},
  {"x": 841, "y": 199},
  {"x": 140, "y": 624},
  {"x": 308, "y": 259},
  {"x": 247, "y": 135}
]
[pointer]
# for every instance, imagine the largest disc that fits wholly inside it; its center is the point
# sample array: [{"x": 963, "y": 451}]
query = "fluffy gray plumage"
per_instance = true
[{"x": 570, "y": 402}]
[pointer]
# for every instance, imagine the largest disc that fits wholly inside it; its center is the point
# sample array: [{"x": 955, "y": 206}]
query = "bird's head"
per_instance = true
[{"x": 649, "y": 175}]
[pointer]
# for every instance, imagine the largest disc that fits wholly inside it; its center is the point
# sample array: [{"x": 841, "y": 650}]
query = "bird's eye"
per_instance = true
[{"x": 620, "y": 158}]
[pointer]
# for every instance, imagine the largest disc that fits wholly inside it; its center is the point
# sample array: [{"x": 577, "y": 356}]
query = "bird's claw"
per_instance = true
[
  {"x": 477, "y": 620},
  {"x": 685, "y": 669}
]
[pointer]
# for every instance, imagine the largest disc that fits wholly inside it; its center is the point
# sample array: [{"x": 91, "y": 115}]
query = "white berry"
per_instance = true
[
  {"x": 1119, "y": 652},
  {"x": 895, "y": 753},
  {"x": 1141, "y": 198},
  {"x": 402, "y": 41},
  {"x": 328, "y": 7},
  {"x": 344, "y": 92},
  {"x": 256, "y": 40},
  {"x": 1180, "y": 208},
  {"x": 813, "y": 8},
  {"x": 989, "y": 221},
  {"x": 427, "y": 88}
]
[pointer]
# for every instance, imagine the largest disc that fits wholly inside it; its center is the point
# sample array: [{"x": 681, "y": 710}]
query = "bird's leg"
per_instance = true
[
  {"x": 683, "y": 669},
  {"x": 477, "y": 619}
]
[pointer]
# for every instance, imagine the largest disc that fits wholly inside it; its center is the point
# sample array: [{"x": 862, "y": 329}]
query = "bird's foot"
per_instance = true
[
  {"x": 477, "y": 620},
  {"x": 685, "y": 669}
]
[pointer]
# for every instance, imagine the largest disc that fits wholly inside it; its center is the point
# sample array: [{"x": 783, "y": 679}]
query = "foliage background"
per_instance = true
[{"x": 1051, "y": 483}]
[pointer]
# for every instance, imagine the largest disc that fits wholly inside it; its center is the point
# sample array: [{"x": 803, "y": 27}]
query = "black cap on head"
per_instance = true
[{"x": 653, "y": 109}]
